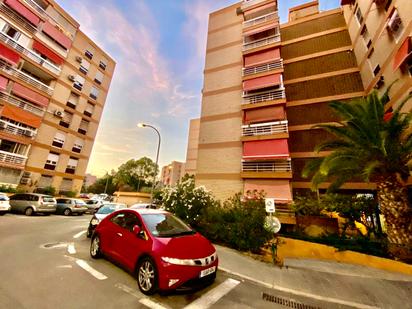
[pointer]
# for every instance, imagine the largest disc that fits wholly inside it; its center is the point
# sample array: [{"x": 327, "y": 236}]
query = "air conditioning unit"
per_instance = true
[
  {"x": 79, "y": 59},
  {"x": 72, "y": 78},
  {"x": 394, "y": 22},
  {"x": 3, "y": 124},
  {"x": 24, "y": 181},
  {"x": 59, "y": 113},
  {"x": 26, "y": 175},
  {"x": 29, "y": 133}
]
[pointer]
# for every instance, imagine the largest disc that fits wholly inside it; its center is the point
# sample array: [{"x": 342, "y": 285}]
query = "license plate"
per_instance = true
[{"x": 207, "y": 271}]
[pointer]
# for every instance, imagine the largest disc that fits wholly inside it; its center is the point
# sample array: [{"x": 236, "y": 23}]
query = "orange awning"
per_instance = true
[
  {"x": 23, "y": 11},
  {"x": 30, "y": 95},
  {"x": 266, "y": 114},
  {"x": 261, "y": 29},
  {"x": 17, "y": 114},
  {"x": 57, "y": 35},
  {"x": 266, "y": 149},
  {"x": 47, "y": 52},
  {"x": 280, "y": 190},
  {"x": 262, "y": 82},
  {"x": 403, "y": 53},
  {"x": 262, "y": 57}
]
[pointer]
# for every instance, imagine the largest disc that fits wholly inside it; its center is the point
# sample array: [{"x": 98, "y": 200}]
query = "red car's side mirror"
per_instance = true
[{"x": 137, "y": 230}]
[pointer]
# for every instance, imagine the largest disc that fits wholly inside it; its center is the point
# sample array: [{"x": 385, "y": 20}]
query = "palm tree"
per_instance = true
[{"x": 371, "y": 146}]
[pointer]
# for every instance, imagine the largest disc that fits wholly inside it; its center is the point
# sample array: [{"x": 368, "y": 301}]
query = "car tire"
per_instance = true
[
  {"x": 2, "y": 213},
  {"x": 147, "y": 276},
  {"x": 28, "y": 211},
  {"x": 67, "y": 212},
  {"x": 95, "y": 251}
]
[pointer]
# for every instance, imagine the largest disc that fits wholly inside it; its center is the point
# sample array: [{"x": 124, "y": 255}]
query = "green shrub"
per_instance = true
[
  {"x": 68, "y": 193},
  {"x": 8, "y": 189},
  {"x": 307, "y": 206},
  {"x": 47, "y": 190}
]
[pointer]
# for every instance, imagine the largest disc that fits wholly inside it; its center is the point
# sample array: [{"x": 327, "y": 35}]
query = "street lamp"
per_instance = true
[{"x": 143, "y": 125}]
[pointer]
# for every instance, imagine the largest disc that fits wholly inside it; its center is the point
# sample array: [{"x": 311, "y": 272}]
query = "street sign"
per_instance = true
[
  {"x": 270, "y": 205},
  {"x": 272, "y": 224}
]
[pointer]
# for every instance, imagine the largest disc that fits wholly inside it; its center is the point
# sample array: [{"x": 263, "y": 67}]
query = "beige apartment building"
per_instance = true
[
  {"x": 54, "y": 83},
  {"x": 267, "y": 84},
  {"x": 172, "y": 173},
  {"x": 192, "y": 145}
]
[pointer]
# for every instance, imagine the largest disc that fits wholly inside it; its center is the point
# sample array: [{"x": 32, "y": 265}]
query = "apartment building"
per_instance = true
[
  {"x": 53, "y": 85},
  {"x": 172, "y": 173},
  {"x": 266, "y": 85},
  {"x": 192, "y": 144}
]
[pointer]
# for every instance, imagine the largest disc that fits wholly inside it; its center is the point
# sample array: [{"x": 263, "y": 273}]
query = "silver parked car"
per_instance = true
[
  {"x": 31, "y": 203},
  {"x": 68, "y": 206}
]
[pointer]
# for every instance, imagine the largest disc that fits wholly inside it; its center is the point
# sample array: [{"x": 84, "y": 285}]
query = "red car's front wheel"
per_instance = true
[{"x": 147, "y": 276}]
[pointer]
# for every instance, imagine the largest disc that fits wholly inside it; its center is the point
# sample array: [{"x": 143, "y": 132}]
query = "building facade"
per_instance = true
[
  {"x": 192, "y": 145},
  {"x": 54, "y": 82},
  {"x": 266, "y": 85},
  {"x": 172, "y": 173}
]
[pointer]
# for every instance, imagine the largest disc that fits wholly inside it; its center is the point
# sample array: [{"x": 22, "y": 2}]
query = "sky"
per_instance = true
[{"x": 159, "y": 48}]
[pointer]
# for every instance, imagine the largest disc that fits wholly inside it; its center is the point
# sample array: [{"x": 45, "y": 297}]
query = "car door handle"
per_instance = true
[{"x": 119, "y": 234}]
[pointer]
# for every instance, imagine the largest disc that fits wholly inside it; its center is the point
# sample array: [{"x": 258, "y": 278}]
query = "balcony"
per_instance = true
[
  {"x": 11, "y": 128},
  {"x": 12, "y": 158},
  {"x": 262, "y": 42},
  {"x": 32, "y": 55},
  {"x": 21, "y": 104},
  {"x": 260, "y": 20},
  {"x": 275, "y": 65},
  {"x": 268, "y": 128},
  {"x": 25, "y": 77},
  {"x": 264, "y": 96},
  {"x": 249, "y": 3},
  {"x": 261, "y": 169},
  {"x": 16, "y": 17}
]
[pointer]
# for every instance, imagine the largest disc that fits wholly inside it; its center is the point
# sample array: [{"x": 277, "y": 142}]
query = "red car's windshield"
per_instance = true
[{"x": 166, "y": 225}]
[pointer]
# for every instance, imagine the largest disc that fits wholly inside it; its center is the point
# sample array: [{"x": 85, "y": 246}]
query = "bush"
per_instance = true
[
  {"x": 68, "y": 193},
  {"x": 307, "y": 206},
  {"x": 47, "y": 190},
  {"x": 7, "y": 189},
  {"x": 238, "y": 224}
]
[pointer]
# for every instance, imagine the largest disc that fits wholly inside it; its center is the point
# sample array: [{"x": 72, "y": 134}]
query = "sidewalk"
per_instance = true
[{"x": 352, "y": 285}]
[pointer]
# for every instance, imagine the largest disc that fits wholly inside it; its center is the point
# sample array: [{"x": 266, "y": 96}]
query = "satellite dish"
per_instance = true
[{"x": 272, "y": 224}]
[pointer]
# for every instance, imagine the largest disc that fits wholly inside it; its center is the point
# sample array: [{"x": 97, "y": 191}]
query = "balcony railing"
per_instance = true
[
  {"x": 265, "y": 128},
  {"x": 44, "y": 14},
  {"x": 12, "y": 158},
  {"x": 11, "y": 128},
  {"x": 22, "y": 104},
  {"x": 17, "y": 18},
  {"x": 260, "y": 19},
  {"x": 32, "y": 55},
  {"x": 264, "y": 96},
  {"x": 262, "y": 42},
  {"x": 277, "y": 64},
  {"x": 276, "y": 166},
  {"x": 25, "y": 77},
  {"x": 248, "y": 3}
]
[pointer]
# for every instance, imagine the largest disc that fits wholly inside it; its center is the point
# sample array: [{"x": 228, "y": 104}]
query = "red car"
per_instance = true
[{"x": 162, "y": 251}]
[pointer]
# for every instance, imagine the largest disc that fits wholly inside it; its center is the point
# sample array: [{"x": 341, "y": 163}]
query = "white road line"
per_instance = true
[
  {"x": 144, "y": 301},
  {"x": 64, "y": 266},
  {"x": 301, "y": 293},
  {"x": 79, "y": 234},
  {"x": 71, "y": 249},
  {"x": 91, "y": 270},
  {"x": 211, "y": 297}
]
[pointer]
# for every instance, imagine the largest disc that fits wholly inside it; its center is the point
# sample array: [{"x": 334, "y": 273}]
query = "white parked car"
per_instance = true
[{"x": 4, "y": 204}]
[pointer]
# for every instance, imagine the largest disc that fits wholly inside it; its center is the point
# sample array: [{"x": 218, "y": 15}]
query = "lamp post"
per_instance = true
[{"x": 143, "y": 125}]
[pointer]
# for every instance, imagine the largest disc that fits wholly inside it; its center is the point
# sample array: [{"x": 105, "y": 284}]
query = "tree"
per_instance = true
[
  {"x": 105, "y": 184},
  {"x": 372, "y": 145},
  {"x": 136, "y": 173}
]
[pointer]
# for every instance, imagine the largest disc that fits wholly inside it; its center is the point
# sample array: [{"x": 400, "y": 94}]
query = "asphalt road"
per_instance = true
[{"x": 45, "y": 263}]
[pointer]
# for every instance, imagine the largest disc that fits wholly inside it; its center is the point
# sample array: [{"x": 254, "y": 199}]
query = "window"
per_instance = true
[
  {"x": 365, "y": 35},
  {"x": 84, "y": 125},
  {"x": 359, "y": 16},
  {"x": 58, "y": 140},
  {"x": 78, "y": 146},
  {"x": 51, "y": 161},
  {"x": 89, "y": 109},
  {"x": 73, "y": 100},
  {"x": 11, "y": 32},
  {"x": 103, "y": 64},
  {"x": 71, "y": 165},
  {"x": 45, "y": 181},
  {"x": 126, "y": 220},
  {"x": 376, "y": 70},
  {"x": 66, "y": 120},
  {"x": 89, "y": 52},
  {"x": 99, "y": 78},
  {"x": 395, "y": 25},
  {"x": 94, "y": 92},
  {"x": 79, "y": 82},
  {"x": 84, "y": 66},
  {"x": 388, "y": 4},
  {"x": 66, "y": 185}
]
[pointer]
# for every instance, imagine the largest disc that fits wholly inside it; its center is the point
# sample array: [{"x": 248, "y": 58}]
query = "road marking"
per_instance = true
[
  {"x": 64, "y": 266},
  {"x": 211, "y": 297},
  {"x": 79, "y": 234},
  {"x": 301, "y": 293},
  {"x": 144, "y": 301},
  {"x": 71, "y": 249},
  {"x": 91, "y": 270}
]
